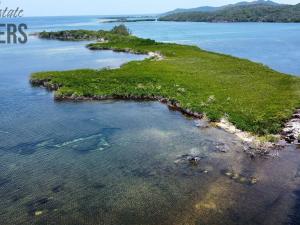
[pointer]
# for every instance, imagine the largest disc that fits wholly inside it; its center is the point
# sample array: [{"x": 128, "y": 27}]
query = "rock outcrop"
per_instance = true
[{"x": 291, "y": 132}]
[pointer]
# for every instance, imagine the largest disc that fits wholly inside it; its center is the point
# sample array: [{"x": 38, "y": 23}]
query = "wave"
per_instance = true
[{"x": 74, "y": 141}]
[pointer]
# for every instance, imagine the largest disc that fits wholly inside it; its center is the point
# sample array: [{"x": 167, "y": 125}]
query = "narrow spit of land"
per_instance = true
[{"x": 250, "y": 95}]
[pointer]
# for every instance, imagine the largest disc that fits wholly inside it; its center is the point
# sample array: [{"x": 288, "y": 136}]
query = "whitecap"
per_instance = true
[{"x": 77, "y": 140}]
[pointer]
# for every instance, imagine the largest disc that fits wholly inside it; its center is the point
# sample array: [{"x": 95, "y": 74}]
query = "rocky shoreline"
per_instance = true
[
  {"x": 252, "y": 145},
  {"x": 291, "y": 131},
  {"x": 172, "y": 104}
]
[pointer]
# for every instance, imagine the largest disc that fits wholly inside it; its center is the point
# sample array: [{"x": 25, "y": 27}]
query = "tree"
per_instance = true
[{"x": 121, "y": 30}]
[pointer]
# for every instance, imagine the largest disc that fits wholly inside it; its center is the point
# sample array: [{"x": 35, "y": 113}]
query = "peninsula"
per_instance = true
[{"x": 250, "y": 95}]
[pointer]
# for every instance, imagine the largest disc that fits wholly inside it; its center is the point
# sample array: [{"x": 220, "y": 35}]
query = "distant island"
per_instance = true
[
  {"x": 257, "y": 11},
  {"x": 128, "y": 19},
  {"x": 125, "y": 20}
]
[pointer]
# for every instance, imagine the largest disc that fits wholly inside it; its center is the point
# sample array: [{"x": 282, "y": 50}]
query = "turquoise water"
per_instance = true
[
  {"x": 127, "y": 162},
  {"x": 274, "y": 44}
]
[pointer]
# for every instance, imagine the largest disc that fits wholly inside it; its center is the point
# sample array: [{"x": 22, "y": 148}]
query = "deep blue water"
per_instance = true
[{"x": 124, "y": 162}]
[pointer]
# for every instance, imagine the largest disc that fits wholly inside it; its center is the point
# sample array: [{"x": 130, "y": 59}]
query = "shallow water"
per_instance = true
[{"x": 123, "y": 162}]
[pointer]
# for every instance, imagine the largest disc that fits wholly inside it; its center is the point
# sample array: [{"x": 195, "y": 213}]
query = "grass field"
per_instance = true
[{"x": 252, "y": 96}]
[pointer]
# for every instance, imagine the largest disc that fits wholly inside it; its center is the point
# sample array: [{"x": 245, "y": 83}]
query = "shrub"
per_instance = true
[{"x": 121, "y": 30}]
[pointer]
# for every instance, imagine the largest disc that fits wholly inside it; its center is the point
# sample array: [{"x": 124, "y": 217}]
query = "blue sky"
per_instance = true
[{"x": 110, "y": 7}]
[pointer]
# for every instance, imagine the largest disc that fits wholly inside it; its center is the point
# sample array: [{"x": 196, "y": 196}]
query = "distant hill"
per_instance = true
[
  {"x": 199, "y": 9},
  {"x": 213, "y": 9},
  {"x": 257, "y": 11}
]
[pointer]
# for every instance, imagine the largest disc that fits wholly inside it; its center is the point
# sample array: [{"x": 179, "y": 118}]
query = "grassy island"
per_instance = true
[{"x": 252, "y": 96}]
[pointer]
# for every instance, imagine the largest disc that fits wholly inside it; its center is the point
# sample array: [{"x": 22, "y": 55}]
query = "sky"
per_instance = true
[{"x": 110, "y": 7}]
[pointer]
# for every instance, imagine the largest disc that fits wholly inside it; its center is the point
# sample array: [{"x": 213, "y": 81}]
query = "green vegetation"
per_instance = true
[
  {"x": 74, "y": 35},
  {"x": 252, "y": 96},
  {"x": 80, "y": 35},
  {"x": 252, "y": 12},
  {"x": 121, "y": 30}
]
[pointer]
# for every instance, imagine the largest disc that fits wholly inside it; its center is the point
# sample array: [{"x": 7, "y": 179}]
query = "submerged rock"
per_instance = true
[
  {"x": 256, "y": 150},
  {"x": 206, "y": 205},
  {"x": 38, "y": 213},
  {"x": 222, "y": 147},
  {"x": 240, "y": 178},
  {"x": 57, "y": 188},
  {"x": 253, "y": 180},
  {"x": 194, "y": 160},
  {"x": 39, "y": 206},
  {"x": 27, "y": 148},
  {"x": 202, "y": 124},
  {"x": 98, "y": 186},
  {"x": 190, "y": 158}
]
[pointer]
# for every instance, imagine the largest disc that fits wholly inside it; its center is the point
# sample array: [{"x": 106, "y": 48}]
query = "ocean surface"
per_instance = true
[
  {"x": 125, "y": 162},
  {"x": 274, "y": 44}
]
